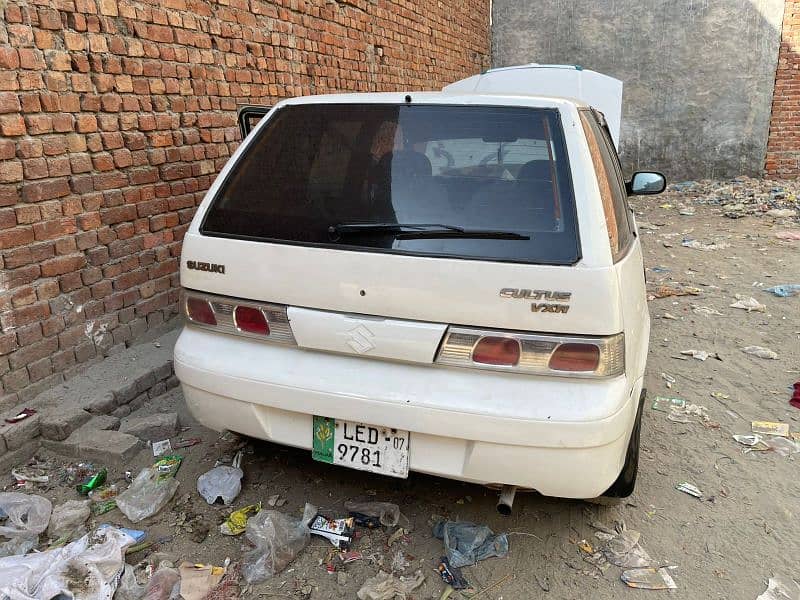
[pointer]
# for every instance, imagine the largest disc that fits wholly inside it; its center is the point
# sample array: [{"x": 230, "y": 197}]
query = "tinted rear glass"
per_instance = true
[{"x": 481, "y": 168}]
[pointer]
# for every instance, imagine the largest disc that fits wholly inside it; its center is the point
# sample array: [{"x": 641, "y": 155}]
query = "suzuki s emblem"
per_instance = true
[{"x": 359, "y": 339}]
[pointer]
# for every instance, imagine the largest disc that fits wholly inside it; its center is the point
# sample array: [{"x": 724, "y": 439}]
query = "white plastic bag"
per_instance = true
[
  {"x": 28, "y": 514},
  {"x": 68, "y": 517},
  {"x": 278, "y": 538},
  {"x": 147, "y": 494},
  {"x": 95, "y": 561}
]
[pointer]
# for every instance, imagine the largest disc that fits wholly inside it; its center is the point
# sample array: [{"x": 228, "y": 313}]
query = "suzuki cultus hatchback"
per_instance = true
[{"x": 444, "y": 282}]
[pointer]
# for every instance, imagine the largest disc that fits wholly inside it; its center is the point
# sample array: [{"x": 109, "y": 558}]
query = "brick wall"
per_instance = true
[
  {"x": 116, "y": 114},
  {"x": 783, "y": 146}
]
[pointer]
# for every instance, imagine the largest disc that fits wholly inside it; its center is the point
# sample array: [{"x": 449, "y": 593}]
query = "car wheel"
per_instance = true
[{"x": 626, "y": 482}]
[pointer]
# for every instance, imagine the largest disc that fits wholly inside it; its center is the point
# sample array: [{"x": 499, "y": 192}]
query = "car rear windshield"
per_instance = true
[{"x": 478, "y": 182}]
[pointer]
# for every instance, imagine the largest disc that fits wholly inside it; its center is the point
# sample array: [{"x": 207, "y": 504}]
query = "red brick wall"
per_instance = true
[
  {"x": 115, "y": 116},
  {"x": 783, "y": 145}
]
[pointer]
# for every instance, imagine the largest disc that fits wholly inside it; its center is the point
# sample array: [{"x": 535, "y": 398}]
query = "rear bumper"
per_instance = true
[{"x": 561, "y": 437}]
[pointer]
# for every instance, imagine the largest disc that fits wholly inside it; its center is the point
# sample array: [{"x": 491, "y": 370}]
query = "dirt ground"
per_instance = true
[{"x": 725, "y": 545}]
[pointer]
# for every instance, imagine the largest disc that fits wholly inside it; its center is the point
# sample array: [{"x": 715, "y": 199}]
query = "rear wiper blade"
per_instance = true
[{"x": 420, "y": 230}]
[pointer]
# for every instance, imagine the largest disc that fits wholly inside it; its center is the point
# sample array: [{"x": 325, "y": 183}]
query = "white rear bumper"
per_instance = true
[{"x": 559, "y": 436}]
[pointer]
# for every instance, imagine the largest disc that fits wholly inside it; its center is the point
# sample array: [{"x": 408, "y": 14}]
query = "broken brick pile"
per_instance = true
[{"x": 115, "y": 116}]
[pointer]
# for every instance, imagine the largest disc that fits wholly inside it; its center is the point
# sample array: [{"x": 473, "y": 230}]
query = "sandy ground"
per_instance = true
[{"x": 724, "y": 546}]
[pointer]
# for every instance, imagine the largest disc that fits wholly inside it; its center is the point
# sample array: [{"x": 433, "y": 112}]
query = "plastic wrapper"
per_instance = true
[
  {"x": 622, "y": 546},
  {"x": 388, "y": 514},
  {"x": 388, "y": 587},
  {"x": 220, "y": 483},
  {"x": 88, "y": 568},
  {"x": 147, "y": 494},
  {"x": 162, "y": 584},
  {"x": 651, "y": 578},
  {"x": 467, "y": 543},
  {"x": 27, "y": 515},
  {"x": 278, "y": 539},
  {"x": 68, "y": 517}
]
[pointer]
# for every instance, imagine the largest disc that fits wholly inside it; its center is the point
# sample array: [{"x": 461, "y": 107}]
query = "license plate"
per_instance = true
[{"x": 364, "y": 447}]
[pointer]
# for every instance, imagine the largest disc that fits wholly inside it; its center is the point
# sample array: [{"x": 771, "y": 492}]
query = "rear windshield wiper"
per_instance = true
[{"x": 420, "y": 230}]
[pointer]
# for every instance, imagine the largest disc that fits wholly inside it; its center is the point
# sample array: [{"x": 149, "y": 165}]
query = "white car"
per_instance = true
[{"x": 443, "y": 282}]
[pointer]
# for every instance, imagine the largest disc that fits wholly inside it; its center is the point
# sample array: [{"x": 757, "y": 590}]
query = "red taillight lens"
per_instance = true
[
  {"x": 575, "y": 357},
  {"x": 496, "y": 351},
  {"x": 251, "y": 320},
  {"x": 200, "y": 311}
]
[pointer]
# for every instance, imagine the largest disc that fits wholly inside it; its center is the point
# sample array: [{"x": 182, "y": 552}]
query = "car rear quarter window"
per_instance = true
[{"x": 482, "y": 169}]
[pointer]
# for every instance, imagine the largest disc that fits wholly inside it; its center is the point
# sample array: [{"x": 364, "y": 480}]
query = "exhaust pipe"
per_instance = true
[{"x": 506, "y": 499}]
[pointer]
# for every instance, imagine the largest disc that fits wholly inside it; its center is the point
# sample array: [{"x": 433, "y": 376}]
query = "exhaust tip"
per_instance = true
[{"x": 506, "y": 500}]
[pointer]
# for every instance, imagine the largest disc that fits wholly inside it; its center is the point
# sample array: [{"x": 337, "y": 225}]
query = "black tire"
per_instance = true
[{"x": 626, "y": 482}]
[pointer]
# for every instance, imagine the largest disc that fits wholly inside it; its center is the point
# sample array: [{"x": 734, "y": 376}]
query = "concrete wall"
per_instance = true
[{"x": 698, "y": 74}]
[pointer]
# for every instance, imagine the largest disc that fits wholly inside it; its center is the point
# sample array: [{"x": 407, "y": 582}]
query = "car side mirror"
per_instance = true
[{"x": 645, "y": 183}]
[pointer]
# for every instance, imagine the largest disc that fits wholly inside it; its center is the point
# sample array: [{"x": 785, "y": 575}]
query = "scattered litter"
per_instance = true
[
  {"x": 698, "y": 354},
  {"x": 706, "y": 310},
  {"x": 166, "y": 467},
  {"x": 451, "y": 575},
  {"x": 161, "y": 448},
  {"x": 782, "y": 213},
  {"x": 782, "y": 446},
  {"x": 760, "y": 352},
  {"x": 681, "y": 414},
  {"x": 664, "y": 404},
  {"x": 698, "y": 245},
  {"x": 104, "y": 493},
  {"x": 338, "y": 532},
  {"x": 781, "y": 587},
  {"x": 276, "y": 500},
  {"x": 748, "y": 440},
  {"x": 350, "y": 556},
  {"x": 24, "y": 477},
  {"x": 150, "y": 491},
  {"x": 687, "y": 212},
  {"x": 92, "y": 482},
  {"x": 395, "y": 536},
  {"x": 24, "y": 515},
  {"x": 222, "y": 482},
  {"x": 749, "y": 304},
  {"x": 28, "y": 412},
  {"x": 237, "y": 521},
  {"x": 467, "y": 543},
  {"x": 129, "y": 588},
  {"x": 388, "y": 587},
  {"x": 278, "y": 539},
  {"x": 659, "y": 269},
  {"x": 665, "y": 291},
  {"x": 786, "y": 290},
  {"x": 100, "y": 558},
  {"x": 69, "y": 518},
  {"x": 186, "y": 443},
  {"x": 388, "y": 514},
  {"x": 669, "y": 317},
  {"x": 795, "y": 399},
  {"x": 399, "y": 562},
  {"x": 788, "y": 235},
  {"x": 621, "y": 546},
  {"x": 162, "y": 584},
  {"x": 690, "y": 489},
  {"x": 137, "y": 535},
  {"x": 197, "y": 580},
  {"x": 649, "y": 579},
  {"x": 669, "y": 379},
  {"x": 770, "y": 428}
]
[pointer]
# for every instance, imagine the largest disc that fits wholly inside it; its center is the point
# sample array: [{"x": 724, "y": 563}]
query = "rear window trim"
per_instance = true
[{"x": 262, "y": 125}]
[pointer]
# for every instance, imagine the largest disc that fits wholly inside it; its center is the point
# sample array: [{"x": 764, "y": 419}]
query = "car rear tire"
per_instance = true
[{"x": 626, "y": 482}]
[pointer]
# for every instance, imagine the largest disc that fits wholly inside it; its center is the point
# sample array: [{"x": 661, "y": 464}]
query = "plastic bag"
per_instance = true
[
  {"x": 68, "y": 517},
  {"x": 388, "y": 587},
  {"x": 18, "y": 546},
  {"x": 147, "y": 494},
  {"x": 782, "y": 446},
  {"x": 780, "y": 587},
  {"x": 622, "y": 546},
  {"x": 278, "y": 538},
  {"x": 94, "y": 561},
  {"x": 389, "y": 514},
  {"x": 129, "y": 588},
  {"x": 222, "y": 482},
  {"x": 467, "y": 543},
  {"x": 28, "y": 514},
  {"x": 161, "y": 584}
]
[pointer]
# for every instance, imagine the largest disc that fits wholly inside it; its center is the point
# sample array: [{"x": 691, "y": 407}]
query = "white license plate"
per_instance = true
[{"x": 359, "y": 446}]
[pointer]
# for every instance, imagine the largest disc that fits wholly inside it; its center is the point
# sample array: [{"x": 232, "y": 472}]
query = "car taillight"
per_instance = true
[
  {"x": 575, "y": 357},
  {"x": 251, "y": 320},
  {"x": 494, "y": 350},
  {"x": 247, "y": 318},
  {"x": 539, "y": 354},
  {"x": 200, "y": 311}
]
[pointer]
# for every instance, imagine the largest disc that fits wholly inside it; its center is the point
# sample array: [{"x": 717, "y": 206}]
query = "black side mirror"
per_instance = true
[{"x": 645, "y": 183}]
